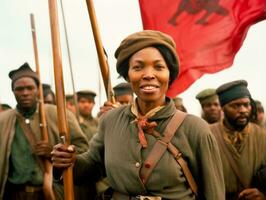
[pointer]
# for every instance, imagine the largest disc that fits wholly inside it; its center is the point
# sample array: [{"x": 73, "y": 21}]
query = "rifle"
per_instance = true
[
  {"x": 48, "y": 175},
  {"x": 70, "y": 64},
  {"x": 60, "y": 95},
  {"x": 100, "y": 51}
]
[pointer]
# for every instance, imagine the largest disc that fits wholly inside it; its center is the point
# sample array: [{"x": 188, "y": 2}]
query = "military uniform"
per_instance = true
[
  {"x": 249, "y": 154},
  {"x": 8, "y": 124},
  {"x": 89, "y": 126},
  {"x": 242, "y": 146}
]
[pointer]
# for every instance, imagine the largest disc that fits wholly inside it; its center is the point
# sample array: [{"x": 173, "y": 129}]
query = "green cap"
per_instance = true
[{"x": 206, "y": 95}]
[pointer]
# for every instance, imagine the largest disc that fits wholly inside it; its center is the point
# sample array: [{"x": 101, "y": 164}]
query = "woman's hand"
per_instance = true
[
  {"x": 251, "y": 194},
  {"x": 108, "y": 105},
  {"x": 63, "y": 156}
]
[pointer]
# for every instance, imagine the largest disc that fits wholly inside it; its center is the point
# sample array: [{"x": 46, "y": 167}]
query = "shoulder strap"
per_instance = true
[
  {"x": 27, "y": 131},
  {"x": 45, "y": 165},
  {"x": 160, "y": 147},
  {"x": 229, "y": 157},
  {"x": 183, "y": 164},
  {"x": 30, "y": 137}
]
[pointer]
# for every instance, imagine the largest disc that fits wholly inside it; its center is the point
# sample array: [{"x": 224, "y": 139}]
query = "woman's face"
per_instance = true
[{"x": 149, "y": 76}]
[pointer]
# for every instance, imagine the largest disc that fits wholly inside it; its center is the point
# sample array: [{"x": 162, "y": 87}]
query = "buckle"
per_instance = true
[
  {"x": 178, "y": 155},
  {"x": 32, "y": 189},
  {"x": 140, "y": 197}
]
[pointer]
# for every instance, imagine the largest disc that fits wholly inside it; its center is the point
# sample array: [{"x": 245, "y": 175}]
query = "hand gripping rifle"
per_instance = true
[{"x": 60, "y": 95}]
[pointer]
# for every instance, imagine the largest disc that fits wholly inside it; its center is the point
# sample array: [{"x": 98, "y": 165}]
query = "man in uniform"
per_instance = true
[
  {"x": 211, "y": 109},
  {"x": 242, "y": 143},
  {"x": 48, "y": 94},
  {"x": 22, "y": 147},
  {"x": 179, "y": 104},
  {"x": 260, "y": 118},
  {"x": 70, "y": 103},
  {"x": 123, "y": 93},
  {"x": 86, "y": 103}
]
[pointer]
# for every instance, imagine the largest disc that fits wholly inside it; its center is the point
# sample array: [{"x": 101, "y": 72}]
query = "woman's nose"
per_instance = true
[{"x": 148, "y": 74}]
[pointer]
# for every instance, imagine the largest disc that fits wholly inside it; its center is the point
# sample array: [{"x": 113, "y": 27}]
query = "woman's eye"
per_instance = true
[
  {"x": 160, "y": 67},
  {"x": 136, "y": 67}
]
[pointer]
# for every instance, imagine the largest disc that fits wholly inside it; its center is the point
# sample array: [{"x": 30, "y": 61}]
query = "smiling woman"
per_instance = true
[
  {"x": 149, "y": 76},
  {"x": 128, "y": 136}
]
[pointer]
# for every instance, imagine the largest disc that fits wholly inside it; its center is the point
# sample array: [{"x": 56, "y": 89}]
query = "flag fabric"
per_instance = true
[{"x": 208, "y": 33}]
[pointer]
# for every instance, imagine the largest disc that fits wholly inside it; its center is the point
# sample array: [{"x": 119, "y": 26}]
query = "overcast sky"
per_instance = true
[{"x": 116, "y": 19}]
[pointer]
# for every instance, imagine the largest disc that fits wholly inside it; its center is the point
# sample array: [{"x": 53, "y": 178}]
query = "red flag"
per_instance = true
[{"x": 208, "y": 33}]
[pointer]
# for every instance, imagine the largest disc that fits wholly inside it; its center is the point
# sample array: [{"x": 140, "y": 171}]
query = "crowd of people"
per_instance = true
[{"x": 144, "y": 145}]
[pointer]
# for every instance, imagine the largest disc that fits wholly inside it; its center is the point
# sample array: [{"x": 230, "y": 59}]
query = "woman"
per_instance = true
[{"x": 148, "y": 61}]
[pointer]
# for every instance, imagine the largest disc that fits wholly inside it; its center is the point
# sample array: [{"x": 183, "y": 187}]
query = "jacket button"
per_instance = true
[
  {"x": 137, "y": 164},
  {"x": 148, "y": 165}
]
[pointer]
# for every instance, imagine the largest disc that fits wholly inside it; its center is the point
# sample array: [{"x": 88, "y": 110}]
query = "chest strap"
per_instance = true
[{"x": 159, "y": 149}]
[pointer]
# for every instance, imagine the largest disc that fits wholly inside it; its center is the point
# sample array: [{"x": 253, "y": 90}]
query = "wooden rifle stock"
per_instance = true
[
  {"x": 100, "y": 51},
  {"x": 60, "y": 95},
  {"x": 48, "y": 176}
]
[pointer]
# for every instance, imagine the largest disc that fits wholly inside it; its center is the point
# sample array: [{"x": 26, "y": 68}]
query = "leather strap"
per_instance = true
[
  {"x": 30, "y": 137},
  {"x": 160, "y": 147},
  {"x": 228, "y": 155},
  {"x": 47, "y": 172},
  {"x": 183, "y": 164}
]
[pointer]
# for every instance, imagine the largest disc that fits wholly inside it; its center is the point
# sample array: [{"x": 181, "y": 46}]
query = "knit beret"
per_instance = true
[
  {"x": 141, "y": 40},
  {"x": 23, "y": 71},
  {"x": 232, "y": 90}
]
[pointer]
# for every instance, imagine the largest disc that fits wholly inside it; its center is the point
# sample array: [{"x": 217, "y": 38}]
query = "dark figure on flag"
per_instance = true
[{"x": 195, "y": 6}]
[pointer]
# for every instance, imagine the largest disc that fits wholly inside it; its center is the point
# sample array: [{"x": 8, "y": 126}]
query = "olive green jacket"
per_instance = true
[
  {"x": 7, "y": 131},
  {"x": 116, "y": 146}
]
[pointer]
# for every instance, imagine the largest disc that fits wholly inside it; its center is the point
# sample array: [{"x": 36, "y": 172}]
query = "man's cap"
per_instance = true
[
  {"x": 46, "y": 86},
  {"x": 232, "y": 90},
  {"x": 46, "y": 89},
  {"x": 206, "y": 95},
  {"x": 69, "y": 97},
  {"x": 178, "y": 100},
  {"x": 23, "y": 71},
  {"x": 88, "y": 94},
  {"x": 123, "y": 89}
]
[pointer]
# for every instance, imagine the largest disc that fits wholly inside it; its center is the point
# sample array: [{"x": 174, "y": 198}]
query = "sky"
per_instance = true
[{"x": 116, "y": 20}]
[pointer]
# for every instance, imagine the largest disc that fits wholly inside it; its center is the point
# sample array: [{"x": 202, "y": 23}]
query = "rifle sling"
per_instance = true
[
  {"x": 30, "y": 137},
  {"x": 159, "y": 149}
]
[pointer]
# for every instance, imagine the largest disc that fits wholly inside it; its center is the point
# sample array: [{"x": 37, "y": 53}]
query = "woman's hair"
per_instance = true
[{"x": 169, "y": 58}]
